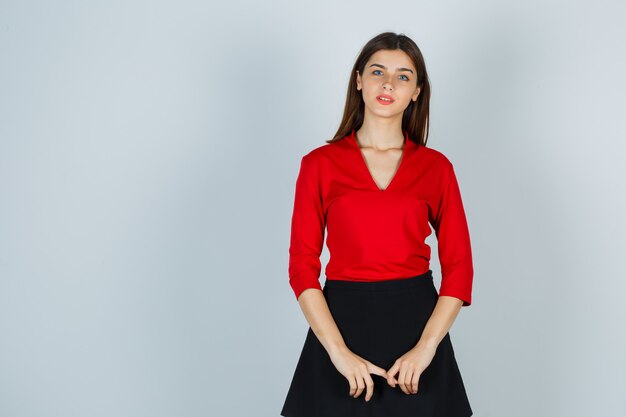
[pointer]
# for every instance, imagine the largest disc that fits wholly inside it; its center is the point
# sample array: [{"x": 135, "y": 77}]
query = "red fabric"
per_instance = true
[{"x": 378, "y": 234}]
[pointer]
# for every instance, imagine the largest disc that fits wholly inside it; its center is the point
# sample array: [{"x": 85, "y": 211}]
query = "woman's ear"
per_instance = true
[
  {"x": 417, "y": 93},
  {"x": 358, "y": 80}
]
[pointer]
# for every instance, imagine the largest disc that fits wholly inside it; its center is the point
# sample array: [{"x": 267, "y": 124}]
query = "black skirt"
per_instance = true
[{"x": 379, "y": 321}]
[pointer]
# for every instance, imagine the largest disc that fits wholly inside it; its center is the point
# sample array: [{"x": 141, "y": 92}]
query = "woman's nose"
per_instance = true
[{"x": 388, "y": 84}]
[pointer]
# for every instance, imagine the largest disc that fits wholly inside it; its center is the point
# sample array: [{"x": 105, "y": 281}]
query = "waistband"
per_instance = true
[{"x": 383, "y": 285}]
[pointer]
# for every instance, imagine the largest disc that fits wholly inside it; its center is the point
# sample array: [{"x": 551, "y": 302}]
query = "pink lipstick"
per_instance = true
[{"x": 381, "y": 99}]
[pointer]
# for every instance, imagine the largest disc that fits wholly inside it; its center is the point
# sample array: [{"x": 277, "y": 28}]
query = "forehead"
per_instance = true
[{"x": 391, "y": 59}]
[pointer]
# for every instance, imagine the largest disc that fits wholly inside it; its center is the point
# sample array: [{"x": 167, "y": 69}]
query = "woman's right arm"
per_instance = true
[
  {"x": 315, "y": 308},
  {"x": 353, "y": 367},
  {"x": 308, "y": 225}
]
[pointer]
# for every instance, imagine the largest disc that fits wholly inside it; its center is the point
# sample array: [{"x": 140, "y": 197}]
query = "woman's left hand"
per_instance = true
[{"x": 410, "y": 366}]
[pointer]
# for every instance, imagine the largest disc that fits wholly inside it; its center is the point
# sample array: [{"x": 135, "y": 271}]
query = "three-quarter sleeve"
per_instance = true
[
  {"x": 453, "y": 240},
  {"x": 307, "y": 230}
]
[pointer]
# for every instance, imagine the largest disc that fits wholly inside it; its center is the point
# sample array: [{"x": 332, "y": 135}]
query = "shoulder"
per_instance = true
[
  {"x": 435, "y": 160},
  {"x": 436, "y": 156},
  {"x": 326, "y": 152}
]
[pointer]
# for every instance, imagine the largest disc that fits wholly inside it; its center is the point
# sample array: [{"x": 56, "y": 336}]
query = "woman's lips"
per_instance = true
[{"x": 384, "y": 102}]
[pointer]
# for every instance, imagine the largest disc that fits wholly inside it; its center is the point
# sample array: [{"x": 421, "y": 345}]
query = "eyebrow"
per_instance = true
[{"x": 397, "y": 69}]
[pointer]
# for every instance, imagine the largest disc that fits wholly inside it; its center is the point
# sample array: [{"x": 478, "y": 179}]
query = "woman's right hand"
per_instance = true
[{"x": 357, "y": 371}]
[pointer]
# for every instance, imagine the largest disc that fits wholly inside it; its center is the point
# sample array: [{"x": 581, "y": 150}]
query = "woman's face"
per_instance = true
[{"x": 390, "y": 74}]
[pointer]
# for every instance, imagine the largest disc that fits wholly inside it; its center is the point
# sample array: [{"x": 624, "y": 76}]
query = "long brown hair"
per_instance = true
[{"x": 415, "y": 117}]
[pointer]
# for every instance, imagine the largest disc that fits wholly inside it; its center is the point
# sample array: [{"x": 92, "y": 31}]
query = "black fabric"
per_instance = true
[{"x": 380, "y": 321}]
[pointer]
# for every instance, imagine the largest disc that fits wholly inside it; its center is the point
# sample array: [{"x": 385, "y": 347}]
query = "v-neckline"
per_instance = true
[{"x": 407, "y": 141}]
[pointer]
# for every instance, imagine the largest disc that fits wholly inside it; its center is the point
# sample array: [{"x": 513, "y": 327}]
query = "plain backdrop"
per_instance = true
[{"x": 148, "y": 157}]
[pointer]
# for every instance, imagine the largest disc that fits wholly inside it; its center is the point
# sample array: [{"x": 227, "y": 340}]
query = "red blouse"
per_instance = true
[{"x": 376, "y": 234}]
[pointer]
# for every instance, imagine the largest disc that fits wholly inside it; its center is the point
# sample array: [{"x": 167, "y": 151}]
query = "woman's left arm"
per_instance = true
[
  {"x": 457, "y": 271},
  {"x": 440, "y": 321}
]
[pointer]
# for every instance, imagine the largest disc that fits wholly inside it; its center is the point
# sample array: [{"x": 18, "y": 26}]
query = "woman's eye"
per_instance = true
[{"x": 405, "y": 77}]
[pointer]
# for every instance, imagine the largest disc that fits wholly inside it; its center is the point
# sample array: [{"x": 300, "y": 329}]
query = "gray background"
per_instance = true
[{"x": 148, "y": 156}]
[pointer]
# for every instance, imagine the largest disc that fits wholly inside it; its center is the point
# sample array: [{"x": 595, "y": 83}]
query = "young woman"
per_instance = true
[{"x": 379, "y": 326}]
